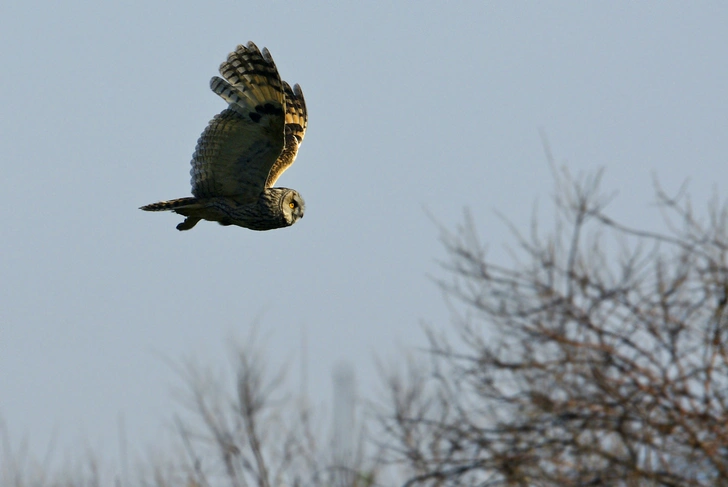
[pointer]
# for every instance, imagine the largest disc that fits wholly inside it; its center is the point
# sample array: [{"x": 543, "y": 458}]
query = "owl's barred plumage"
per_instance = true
[
  {"x": 295, "y": 129},
  {"x": 245, "y": 148},
  {"x": 169, "y": 205}
]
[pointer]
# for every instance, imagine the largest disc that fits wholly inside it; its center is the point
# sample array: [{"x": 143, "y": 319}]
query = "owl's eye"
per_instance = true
[{"x": 292, "y": 204}]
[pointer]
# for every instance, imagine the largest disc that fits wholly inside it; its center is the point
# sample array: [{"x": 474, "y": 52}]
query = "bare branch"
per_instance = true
[{"x": 597, "y": 358}]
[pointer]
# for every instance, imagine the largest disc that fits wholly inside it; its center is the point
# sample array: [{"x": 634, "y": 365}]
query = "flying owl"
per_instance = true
[{"x": 245, "y": 149}]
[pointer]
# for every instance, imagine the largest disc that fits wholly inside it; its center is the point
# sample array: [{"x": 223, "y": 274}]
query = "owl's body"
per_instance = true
[{"x": 245, "y": 149}]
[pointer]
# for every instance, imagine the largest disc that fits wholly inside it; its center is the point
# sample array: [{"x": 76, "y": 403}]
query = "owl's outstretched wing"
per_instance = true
[
  {"x": 236, "y": 151},
  {"x": 296, "y": 122}
]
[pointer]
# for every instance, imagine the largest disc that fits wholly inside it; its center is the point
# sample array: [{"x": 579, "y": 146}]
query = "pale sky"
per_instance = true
[{"x": 414, "y": 108}]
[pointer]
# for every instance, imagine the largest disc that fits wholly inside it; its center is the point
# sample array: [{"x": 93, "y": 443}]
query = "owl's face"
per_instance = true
[{"x": 292, "y": 206}]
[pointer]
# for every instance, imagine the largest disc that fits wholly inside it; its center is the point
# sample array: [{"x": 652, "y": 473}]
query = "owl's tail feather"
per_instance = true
[{"x": 170, "y": 204}]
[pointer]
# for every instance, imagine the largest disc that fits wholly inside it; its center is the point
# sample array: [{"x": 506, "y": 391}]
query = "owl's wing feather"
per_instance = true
[
  {"x": 236, "y": 151},
  {"x": 296, "y": 122}
]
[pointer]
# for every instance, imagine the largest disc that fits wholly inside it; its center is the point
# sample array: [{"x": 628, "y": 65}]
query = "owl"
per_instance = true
[{"x": 245, "y": 149}]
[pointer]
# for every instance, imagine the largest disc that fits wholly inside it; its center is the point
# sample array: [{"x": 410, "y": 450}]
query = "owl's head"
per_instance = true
[{"x": 292, "y": 206}]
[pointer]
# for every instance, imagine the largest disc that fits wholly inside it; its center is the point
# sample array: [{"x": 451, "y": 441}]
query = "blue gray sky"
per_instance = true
[{"x": 414, "y": 109}]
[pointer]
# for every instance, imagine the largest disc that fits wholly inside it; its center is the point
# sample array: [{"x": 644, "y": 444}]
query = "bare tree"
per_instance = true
[
  {"x": 597, "y": 358},
  {"x": 236, "y": 430},
  {"x": 247, "y": 433}
]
